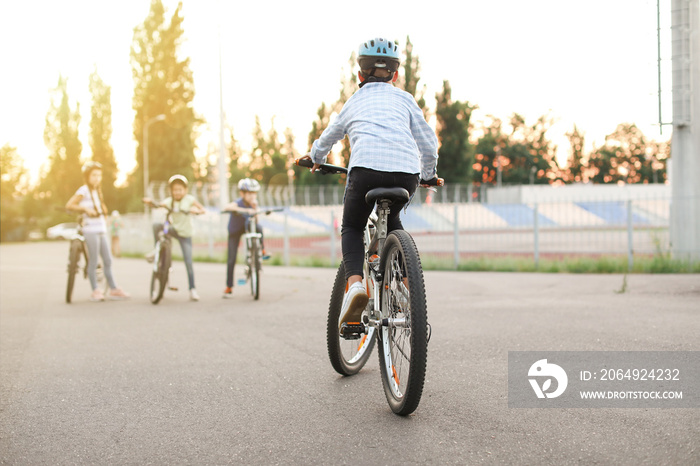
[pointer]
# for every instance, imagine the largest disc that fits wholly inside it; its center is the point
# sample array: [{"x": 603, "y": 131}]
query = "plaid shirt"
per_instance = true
[{"x": 387, "y": 133}]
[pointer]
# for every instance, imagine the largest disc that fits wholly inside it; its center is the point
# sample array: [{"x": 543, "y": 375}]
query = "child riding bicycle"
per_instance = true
[
  {"x": 88, "y": 200},
  {"x": 240, "y": 211},
  {"x": 392, "y": 145},
  {"x": 181, "y": 205}
]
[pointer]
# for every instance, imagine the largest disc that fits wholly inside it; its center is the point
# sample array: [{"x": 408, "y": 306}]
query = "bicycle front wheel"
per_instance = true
[
  {"x": 347, "y": 356},
  {"x": 159, "y": 278},
  {"x": 403, "y": 338},
  {"x": 255, "y": 271},
  {"x": 74, "y": 252}
]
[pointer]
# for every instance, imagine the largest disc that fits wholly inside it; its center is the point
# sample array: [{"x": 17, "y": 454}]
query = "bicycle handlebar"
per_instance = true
[
  {"x": 171, "y": 211},
  {"x": 326, "y": 168}
]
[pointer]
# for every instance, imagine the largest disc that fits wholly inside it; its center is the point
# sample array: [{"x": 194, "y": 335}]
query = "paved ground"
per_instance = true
[{"x": 237, "y": 381}]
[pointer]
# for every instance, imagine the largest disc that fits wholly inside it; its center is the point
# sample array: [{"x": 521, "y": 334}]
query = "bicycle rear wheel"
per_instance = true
[
  {"x": 159, "y": 278},
  {"x": 255, "y": 270},
  {"x": 76, "y": 248},
  {"x": 403, "y": 341},
  {"x": 347, "y": 356}
]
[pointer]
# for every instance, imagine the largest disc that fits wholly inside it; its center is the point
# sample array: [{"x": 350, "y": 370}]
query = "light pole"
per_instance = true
[{"x": 148, "y": 123}]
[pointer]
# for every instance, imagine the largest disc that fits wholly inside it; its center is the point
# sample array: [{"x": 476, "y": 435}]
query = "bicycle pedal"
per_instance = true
[
  {"x": 352, "y": 330},
  {"x": 172, "y": 288}
]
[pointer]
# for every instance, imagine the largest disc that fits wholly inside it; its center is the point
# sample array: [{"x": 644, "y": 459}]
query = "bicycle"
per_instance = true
[
  {"x": 77, "y": 250},
  {"x": 253, "y": 245},
  {"x": 162, "y": 261},
  {"x": 396, "y": 314}
]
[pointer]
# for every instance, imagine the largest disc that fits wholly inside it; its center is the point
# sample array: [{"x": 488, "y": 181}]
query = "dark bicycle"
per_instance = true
[
  {"x": 254, "y": 254},
  {"x": 78, "y": 259},
  {"x": 162, "y": 261},
  {"x": 397, "y": 312}
]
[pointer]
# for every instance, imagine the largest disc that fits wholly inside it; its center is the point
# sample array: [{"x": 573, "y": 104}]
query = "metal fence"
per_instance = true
[{"x": 444, "y": 231}]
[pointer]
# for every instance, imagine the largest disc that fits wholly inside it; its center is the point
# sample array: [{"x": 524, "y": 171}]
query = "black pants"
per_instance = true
[
  {"x": 356, "y": 211},
  {"x": 234, "y": 240}
]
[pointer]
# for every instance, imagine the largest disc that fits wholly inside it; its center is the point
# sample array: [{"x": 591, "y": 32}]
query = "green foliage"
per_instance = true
[
  {"x": 12, "y": 173},
  {"x": 100, "y": 136},
  {"x": 629, "y": 156},
  {"x": 409, "y": 79},
  {"x": 163, "y": 84},
  {"x": 456, "y": 153},
  {"x": 63, "y": 176},
  {"x": 270, "y": 158},
  {"x": 525, "y": 155},
  {"x": 575, "y": 171}
]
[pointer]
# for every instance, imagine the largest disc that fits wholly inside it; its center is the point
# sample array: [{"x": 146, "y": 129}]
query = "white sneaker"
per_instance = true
[
  {"x": 355, "y": 301},
  {"x": 194, "y": 296}
]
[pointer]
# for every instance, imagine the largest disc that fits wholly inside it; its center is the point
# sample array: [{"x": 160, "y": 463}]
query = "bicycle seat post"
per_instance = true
[{"x": 382, "y": 219}]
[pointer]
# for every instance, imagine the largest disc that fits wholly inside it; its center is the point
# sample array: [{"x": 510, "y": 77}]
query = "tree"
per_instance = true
[
  {"x": 267, "y": 159},
  {"x": 488, "y": 147},
  {"x": 456, "y": 153},
  {"x": 163, "y": 84},
  {"x": 12, "y": 173},
  {"x": 101, "y": 134},
  {"x": 529, "y": 155},
  {"x": 236, "y": 171},
  {"x": 628, "y": 156},
  {"x": 409, "y": 79},
  {"x": 63, "y": 175},
  {"x": 575, "y": 171}
]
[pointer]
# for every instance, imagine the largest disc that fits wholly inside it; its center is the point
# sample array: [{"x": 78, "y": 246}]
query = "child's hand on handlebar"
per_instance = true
[
  {"x": 432, "y": 183},
  {"x": 316, "y": 165}
]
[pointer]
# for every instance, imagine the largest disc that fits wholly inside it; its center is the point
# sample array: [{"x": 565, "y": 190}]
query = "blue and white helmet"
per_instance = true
[
  {"x": 249, "y": 184},
  {"x": 379, "y": 53}
]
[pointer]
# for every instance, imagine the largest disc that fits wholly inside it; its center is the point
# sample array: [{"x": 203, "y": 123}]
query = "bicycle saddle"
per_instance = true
[{"x": 393, "y": 195}]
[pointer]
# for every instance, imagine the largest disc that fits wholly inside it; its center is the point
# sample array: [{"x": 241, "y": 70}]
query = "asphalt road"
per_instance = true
[{"x": 237, "y": 381}]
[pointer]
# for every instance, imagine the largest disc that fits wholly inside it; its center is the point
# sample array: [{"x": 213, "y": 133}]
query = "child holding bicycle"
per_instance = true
[
  {"x": 88, "y": 200},
  {"x": 183, "y": 206},
  {"x": 392, "y": 145},
  {"x": 240, "y": 211}
]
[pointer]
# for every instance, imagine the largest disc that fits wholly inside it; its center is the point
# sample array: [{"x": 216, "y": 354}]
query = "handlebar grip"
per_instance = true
[
  {"x": 305, "y": 163},
  {"x": 434, "y": 182}
]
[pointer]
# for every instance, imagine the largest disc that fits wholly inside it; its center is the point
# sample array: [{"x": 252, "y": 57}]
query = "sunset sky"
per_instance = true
[{"x": 592, "y": 63}]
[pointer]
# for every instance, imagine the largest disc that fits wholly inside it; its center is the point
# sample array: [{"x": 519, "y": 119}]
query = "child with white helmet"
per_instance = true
[
  {"x": 392, "y": 145},
  {"x": 240, "y": 211},
  {"x": 182, "y": 204}
]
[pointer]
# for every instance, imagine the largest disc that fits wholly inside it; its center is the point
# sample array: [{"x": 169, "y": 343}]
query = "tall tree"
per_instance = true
[
  {"x": 63, "y": 175},
  {"x": 267, "y": 159},
  {"x": 163, "y": 85},
  {"x": 101, "y": 134},
  {"x": 529, "y": 155},
  {"x": 453, "y": 126},
  {"x": 575, "y": 171},
  {"x": 409, "y": 79},
  {"x": 489, "y": 146},
  {"x": 235, "y": 168}
]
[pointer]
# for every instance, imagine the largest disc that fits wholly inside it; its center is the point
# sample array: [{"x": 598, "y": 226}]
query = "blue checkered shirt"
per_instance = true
[{"x": 387, "y": 132}]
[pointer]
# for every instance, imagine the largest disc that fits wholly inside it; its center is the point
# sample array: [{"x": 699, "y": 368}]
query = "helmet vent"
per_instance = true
[{"x": 371, "y": 43}]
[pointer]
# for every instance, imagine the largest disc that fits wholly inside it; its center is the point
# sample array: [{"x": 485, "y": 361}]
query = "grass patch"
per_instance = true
[{"x": 658, "y": 263}]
